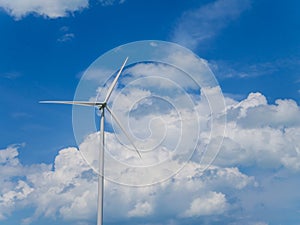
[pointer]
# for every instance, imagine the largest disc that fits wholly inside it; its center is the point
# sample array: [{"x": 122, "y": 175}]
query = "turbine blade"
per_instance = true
[
  {"x": 115, "y": 81},
  {"x": 83, "y": 103},
  {"x": 123, "y": 130}
]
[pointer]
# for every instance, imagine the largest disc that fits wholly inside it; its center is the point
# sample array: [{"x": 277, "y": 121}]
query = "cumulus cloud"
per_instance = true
[
  {"x": 261, "y": 137},
  {"x": 211, "y": 204},
  {"x": 14, "y": 190},
  {"x": 141, "y": 209},
  {"x": 163, "y": 73},
  {"x": 47, "y": 8},
  {"x": 196, "y": 26},
  {"x": 68, "y": 191},
  {"x": 274, "y": 127},
  {"x": 9, "y": 155}
]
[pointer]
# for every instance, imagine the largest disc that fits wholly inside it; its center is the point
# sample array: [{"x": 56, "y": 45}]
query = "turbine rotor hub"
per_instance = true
[{"x": 102, "y": 106}]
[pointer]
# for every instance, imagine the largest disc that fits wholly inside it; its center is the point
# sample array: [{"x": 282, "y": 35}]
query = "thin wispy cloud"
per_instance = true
[
  {"x": 66, "y": 37},
  {"x": 198, "y": 25},
  {"x": 11, "y": 75},
  {"x": 224, "y": 69},
  {"x": 229, "y": 69},
  {"x": 111, "y": 2},
  {"x": 66, "y": 34}
]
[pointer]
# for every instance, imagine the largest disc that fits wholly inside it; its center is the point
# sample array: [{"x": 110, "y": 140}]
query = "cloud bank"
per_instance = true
[{"x": 237, "y": 188}]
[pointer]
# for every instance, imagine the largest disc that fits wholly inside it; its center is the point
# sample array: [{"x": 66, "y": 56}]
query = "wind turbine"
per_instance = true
[{"x": 102, "y": 106}]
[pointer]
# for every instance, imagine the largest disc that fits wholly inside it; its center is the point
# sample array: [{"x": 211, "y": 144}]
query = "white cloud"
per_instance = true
[
  {"x": 228, "y": 69},
  {"x": 66, "y": 37},
  {"x": 9, "y": 155},
  {"x": 253, "y": 100},
  {"x": 141, "y": 209},
  {"x": 196, "y": 26},
  {"x": 68, "y": 191},
  {"x": 210, "y": 204},
  {"x": 46, "y": 8},
  {"x": 111, "y": 2},
  {"x": 261, "y": 136},
  {"x": 14, "y": 190},
  {"x": 11, "y": 75},
  {"x": 161, "y": 76},
  {"x": 259, "y": 223},
  {"x": 96, "y": 74},
  {"x": 66, "y": 34},
  {"x": 224, "y": 69},
  {"x": 10, "y": 198}
]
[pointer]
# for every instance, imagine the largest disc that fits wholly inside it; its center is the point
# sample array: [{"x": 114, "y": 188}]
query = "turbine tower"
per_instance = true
[{"x": 102, "y": 106}]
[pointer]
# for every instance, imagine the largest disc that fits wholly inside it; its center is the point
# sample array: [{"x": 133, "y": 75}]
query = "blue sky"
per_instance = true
[{"x": 252, "y": 47}]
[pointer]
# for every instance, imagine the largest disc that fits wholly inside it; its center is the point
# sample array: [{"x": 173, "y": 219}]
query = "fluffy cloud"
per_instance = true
[
  {"x": 47, "y": 8},
  {"x": 140, "y": 209},
  {"x": 163, "y": 73},
  {"x": 68, "y": 191},
  {"x": 210, "y": 204},
  {"x": 275, "y": 129},
  {"x": 14, "y": 190},
  {"x": 236, "y": 188},
  {"x": 9, "y": 155},
  {"x": 201, "y": 24}
]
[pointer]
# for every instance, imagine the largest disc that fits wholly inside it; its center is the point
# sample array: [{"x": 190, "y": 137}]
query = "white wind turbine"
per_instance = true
[{"x": 102, "y": 106}]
